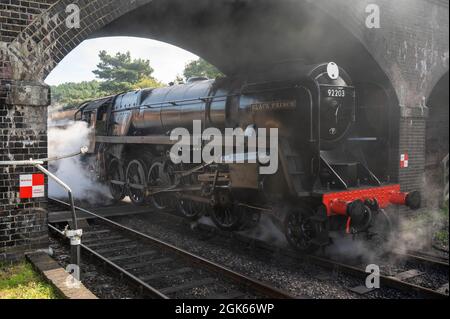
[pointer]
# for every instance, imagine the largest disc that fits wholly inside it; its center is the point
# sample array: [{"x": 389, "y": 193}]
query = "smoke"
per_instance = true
[
  {"x": 77, "y": 172},
  {"x": 411, "y": 232},
  {"x": 345, "y": 247},
  {"x": 267, "y": 231},
  {"x": 414, "y": 234},
  {"x": 420, "y": 230}
]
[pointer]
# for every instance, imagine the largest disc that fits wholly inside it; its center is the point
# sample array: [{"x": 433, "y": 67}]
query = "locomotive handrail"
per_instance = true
[
  {"x": 202, "y": 99},
  {"x": 32, "y": 162},
  {"x": 334, "y": 172}
]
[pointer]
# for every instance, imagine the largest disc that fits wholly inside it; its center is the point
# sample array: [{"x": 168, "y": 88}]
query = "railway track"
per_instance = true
[
  {"x": 159, "y": 269},
  {"x": 399, "y": 281}
]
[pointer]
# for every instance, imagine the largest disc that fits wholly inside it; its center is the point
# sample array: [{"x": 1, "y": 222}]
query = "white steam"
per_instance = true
[
  {"x": 266, "y": 230},
  {"x": 77, "y": 172}
]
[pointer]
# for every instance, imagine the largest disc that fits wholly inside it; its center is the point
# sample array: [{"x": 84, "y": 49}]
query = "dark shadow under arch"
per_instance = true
[{"x": 437, "y": 139}]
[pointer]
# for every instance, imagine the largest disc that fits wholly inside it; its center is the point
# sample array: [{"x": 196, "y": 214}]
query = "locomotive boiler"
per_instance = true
[{"x": 323, "y": 182}]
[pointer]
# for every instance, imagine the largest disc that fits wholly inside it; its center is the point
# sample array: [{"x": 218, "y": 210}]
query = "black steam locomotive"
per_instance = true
[{"x": 323, "y": 183}]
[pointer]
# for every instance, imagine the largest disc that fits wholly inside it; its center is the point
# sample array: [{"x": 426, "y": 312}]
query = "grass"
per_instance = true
[{"x": 20, "y": 281}]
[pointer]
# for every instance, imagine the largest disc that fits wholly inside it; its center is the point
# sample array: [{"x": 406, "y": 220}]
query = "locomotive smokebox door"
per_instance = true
[{"x": 244, "y": 176}]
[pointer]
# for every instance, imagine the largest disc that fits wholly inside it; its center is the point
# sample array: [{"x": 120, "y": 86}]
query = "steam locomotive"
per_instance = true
[{"x": 324, "y": 183}]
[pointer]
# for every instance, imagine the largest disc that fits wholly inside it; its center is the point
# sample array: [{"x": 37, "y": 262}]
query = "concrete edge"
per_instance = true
[{"x": 56, "y": 276}]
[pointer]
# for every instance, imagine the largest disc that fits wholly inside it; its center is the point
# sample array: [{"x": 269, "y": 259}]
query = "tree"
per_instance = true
[
  {"x": 120, "y": 73},
  {"x": 147, "y": 82},
  {"x": 202, "y": 68},
  {"x": 71, "y": 95}
]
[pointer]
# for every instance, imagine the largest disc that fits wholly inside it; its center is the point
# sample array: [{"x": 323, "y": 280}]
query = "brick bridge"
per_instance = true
[{"x": 400, "y": 69}]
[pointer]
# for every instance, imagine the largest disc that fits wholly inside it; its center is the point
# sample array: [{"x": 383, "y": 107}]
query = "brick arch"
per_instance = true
[
  {"x": 47, "y": 40},
  {"x": 41, "y": 46}
]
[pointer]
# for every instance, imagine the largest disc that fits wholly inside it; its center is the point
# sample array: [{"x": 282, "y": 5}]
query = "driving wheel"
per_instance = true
[
  {"x": 159, "y": 179},
  {"x": 136, "y": 182},
  {"x": 116, "y": 180}
]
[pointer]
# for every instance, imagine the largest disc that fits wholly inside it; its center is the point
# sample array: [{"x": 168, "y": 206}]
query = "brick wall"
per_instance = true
[
  {"x": 23, "y": 135},
  {"x": 412, "y": 142},
  {"x": 16, "y": 14},
  {"x": 32, "y": 42}
]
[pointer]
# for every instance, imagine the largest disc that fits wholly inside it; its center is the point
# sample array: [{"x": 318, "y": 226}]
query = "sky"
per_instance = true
[{"x": 167, "y": 60}]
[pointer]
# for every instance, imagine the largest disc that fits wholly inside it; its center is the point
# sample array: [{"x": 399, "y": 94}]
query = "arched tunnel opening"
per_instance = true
[{"x": 437, "y": 142}]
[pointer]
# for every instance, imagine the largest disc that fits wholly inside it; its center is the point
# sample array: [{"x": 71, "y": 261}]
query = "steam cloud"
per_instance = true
[{"x": 77, "y": 172}]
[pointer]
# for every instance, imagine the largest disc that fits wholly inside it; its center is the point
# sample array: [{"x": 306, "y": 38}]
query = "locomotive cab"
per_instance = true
[{"x": 95, "y": 114}]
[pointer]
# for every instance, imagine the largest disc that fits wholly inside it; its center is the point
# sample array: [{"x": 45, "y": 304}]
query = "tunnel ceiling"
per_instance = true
[{"x": 239, "y": 36}]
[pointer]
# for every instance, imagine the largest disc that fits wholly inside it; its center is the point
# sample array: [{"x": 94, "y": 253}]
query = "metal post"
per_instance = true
[{"x": 75, "y": 234}]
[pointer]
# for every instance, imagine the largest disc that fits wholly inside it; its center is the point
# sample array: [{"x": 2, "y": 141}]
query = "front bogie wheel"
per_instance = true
[{"x": 300, "y": 230}]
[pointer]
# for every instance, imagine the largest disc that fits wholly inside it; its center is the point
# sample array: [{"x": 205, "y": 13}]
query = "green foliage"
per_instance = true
[
  {"x": 147, "y": 82},
  {"x": 120, "y": 73},
  {"x": 202, "y": 68},
  {"x": 20, "y": 281},
  {"x": 71, "y": 95},
  {"x": 442, "y": 236}
]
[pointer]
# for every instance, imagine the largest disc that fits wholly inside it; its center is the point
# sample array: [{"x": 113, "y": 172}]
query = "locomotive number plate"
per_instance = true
[{"x": 336, "y": 93}]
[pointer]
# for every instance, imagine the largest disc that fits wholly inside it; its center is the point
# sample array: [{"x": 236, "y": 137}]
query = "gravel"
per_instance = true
[
  {"x": 301, "y": 279},
  {"x": 96, "y": 279}
]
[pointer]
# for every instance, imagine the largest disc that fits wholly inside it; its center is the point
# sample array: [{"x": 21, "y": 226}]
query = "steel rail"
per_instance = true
[
  {"x": 425, "y": 259},
  {"x": 250, "y": 283},
  {"x": 130, "y": 277}
]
